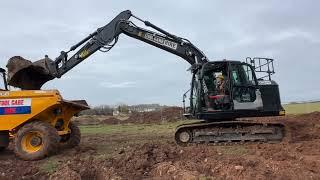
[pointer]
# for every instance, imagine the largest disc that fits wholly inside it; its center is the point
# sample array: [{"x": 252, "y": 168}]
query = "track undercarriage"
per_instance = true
[{"x": 228, "y": 132}]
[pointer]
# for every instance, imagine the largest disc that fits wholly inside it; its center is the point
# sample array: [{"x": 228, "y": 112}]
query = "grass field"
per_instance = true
[
  {"x": 130, "y": 129},
  {"x": 301, "y": 108}
]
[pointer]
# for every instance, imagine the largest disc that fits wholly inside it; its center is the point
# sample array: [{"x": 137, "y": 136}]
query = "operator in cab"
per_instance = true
[{"x": 220, "y": 85}]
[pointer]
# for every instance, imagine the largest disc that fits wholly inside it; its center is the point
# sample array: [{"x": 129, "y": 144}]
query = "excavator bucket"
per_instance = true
[{"x": 24, "y": 74}]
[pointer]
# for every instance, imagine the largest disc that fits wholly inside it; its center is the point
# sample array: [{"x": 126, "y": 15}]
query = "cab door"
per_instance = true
[{"x": 245, "y": 92}]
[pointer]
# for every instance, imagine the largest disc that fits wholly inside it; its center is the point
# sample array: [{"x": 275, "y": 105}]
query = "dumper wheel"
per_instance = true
[
  {"x": 2, "y": 148},
  {"x": 36, "y": 140},
  {"x": 72, "y": 139}
]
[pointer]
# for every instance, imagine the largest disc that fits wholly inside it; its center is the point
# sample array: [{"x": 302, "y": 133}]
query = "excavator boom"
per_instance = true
[{"x": 24, "y": 74}]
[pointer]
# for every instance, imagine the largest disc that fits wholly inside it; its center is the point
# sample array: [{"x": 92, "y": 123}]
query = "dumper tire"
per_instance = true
[
  {"x": 2, "y": 148},
  {"x": 73, "y": 139},
  {"x": 48, "y": 145}
]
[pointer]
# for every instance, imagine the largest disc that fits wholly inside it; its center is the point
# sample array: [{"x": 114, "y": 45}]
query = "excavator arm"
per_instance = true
[{"x": 34, "y": 75}]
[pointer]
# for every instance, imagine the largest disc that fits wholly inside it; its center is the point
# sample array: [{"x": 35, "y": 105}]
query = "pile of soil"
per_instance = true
[
  {"x": 170, "y": 114},
  {"x": 111, "y": 120},
  {"x": 304, "y": 127}
]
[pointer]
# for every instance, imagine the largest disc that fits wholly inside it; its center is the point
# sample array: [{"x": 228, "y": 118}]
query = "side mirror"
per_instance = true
[
  {"x": 2, "y": 70},
  {"x": 3, "y": 73}
]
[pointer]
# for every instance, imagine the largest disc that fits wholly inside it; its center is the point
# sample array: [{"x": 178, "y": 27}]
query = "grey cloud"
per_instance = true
[{"x": 286, "y": 30}]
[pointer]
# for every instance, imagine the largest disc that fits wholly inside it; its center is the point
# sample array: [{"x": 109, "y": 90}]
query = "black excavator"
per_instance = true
[{"x": 222, "y": 92}]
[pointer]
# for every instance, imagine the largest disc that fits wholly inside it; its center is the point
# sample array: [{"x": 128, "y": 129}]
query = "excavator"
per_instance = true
[{"x": 223, "y": 93}]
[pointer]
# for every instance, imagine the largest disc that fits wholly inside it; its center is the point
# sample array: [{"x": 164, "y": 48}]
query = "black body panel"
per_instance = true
[
  {"x": 270, "y": 96},
  {"x": 231, "y": 115}
]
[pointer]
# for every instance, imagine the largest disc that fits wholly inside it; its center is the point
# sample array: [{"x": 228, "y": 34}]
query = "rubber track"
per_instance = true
[{"x": 231, "y": 132}]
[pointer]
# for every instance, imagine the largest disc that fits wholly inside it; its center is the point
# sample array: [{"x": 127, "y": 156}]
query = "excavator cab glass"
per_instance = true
[
  {"x": 245, "y": 90},
  {"x": 216, "y": 88},
  {"x": 244, "y": 83},
  {"x": 225, "y": 86}
]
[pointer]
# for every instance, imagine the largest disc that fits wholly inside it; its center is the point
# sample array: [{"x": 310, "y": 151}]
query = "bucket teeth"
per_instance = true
[{"x": 24, "y": 74}]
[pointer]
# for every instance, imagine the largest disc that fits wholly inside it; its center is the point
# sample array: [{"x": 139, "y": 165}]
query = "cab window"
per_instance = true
[
  {"x": 244, "y": 83},
  {"x": 242, "y": 75},
  {"x": 249, "y": 78}
]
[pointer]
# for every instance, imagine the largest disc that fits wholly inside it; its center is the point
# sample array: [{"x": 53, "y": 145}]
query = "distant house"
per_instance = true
[
  {"x": 125, "y": 109},
  {"x": 115, "y": 113},
  {"x": 144, "y": 108}
]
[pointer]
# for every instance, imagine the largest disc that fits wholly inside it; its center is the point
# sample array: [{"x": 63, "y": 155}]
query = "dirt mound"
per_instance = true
[
  {"x": 112, "y": 120},
  {"x": 86, "y": 120},
  {"x": 304, "y": 127},
  {"x": 169, "y": 114},
  {"x": 150, "y": 156}
]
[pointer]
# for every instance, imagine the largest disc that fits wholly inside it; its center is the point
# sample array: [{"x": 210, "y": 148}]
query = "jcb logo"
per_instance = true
[
  {"x": 84, "y": 54},
  {"x": 4, "y": 93}
]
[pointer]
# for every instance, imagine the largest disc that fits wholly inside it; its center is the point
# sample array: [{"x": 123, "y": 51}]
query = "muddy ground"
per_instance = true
[{"x": 154, "y": 155}]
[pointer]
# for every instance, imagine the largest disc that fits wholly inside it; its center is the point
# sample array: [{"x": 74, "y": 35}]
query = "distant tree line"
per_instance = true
[{"x": 98, "y": 110}]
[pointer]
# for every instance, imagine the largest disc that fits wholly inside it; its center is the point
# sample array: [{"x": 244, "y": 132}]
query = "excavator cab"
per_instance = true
[
  {"x": 223, "y": 91},
  {"x": 230, "y": 89}
]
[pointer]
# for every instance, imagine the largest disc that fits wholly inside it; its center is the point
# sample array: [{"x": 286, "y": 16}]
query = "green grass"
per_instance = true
[
  {"x": 131, "y": 128},
  {"x": 122, "y": 136},
  {"x": 301, "y": 108}
]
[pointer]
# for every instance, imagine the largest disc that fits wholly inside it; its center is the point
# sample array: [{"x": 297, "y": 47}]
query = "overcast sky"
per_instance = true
[{"x": 134, "y": 72}]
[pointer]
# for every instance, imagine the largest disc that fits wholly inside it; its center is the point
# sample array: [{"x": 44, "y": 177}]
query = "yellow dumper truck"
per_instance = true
[{"x": 37, "y": 121}]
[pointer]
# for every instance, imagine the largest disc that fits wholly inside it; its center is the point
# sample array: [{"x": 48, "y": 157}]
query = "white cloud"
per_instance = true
[
  {"x": 292, "y": 33},
  {"x": 128, "y": 84}
]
